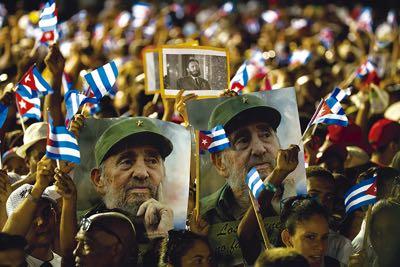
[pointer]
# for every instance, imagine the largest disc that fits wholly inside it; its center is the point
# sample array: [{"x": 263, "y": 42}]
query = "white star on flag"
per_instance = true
[
  {"x": 204, "y": 142},
  {"x": 27, "y": 79},
  {"x": 22, "y": 104}
]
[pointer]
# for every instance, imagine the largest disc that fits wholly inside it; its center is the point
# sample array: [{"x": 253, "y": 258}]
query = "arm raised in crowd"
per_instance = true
[
  {"x": 68, "y": 225},
  {"x": 5, "y": 191},
  {"x": 55, "y": 62},
  {"x": 248, "y": 229},
  {"x": 21, "y": 219}
]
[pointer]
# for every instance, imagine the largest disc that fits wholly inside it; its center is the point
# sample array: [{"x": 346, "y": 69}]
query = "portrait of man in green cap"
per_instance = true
[
  {"x": 130, "y": 170},
  {"x": 251, "y": 126}
]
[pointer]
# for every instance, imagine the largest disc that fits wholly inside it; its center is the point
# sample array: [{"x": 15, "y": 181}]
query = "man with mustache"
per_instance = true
[
  {"x": 130, "y": 171},
  {"x": 193, "y": 81},
  {"x": 251, "y": 128}
]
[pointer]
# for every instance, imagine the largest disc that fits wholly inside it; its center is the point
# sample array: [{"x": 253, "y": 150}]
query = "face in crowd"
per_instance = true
[
  {"x": 321, "y": 185},
  {"x": 129, "y": 177},
  {"x": 253, "y": 145},
  {"x": 34, "y": 154},
  {"x": 41, "y": 232},
  {"x": 306, "y": 229},
  {"x": 193, "y": 69}
]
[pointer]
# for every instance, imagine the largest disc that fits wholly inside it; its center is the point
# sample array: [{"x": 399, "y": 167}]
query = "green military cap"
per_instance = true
[
  {"x": 238, "y": 110},
  {"x": 139, "y": 130}
]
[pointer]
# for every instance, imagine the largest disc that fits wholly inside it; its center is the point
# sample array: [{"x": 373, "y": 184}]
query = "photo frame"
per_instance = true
[
  {"x": 201, "y": 70},
  {"x": 151, "y": 71}
]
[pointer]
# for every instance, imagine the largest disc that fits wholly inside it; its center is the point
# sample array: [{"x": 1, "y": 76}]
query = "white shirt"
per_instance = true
[
  {"x": 339, "y": 248},
  {"x": 34, "y": 262}
]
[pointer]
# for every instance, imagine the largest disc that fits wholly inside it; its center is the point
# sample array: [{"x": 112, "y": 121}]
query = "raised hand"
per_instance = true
[
  {"x": 158, "y": 218},
  {"x": 77, "y": 124},
  {"x": 55, "y": 60},
  {"x": 180, "y": 104},
  {"x": 64, "y": 185},
  {"x": 288, "y": 159},
  {"x": 197, "y": 224},
  {"x": 45, "y": 172}
]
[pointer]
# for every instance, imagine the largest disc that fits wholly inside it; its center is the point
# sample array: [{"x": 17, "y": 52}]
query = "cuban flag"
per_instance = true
[
  {"x": 330, "y": 111},
  {"x": 300, "y": 57},
  {"x": 140, "y": 12},
  {"x": 270, "y": 16},
  {"x": 101, "y": 80},
  {"x": 364, "y": 21},
  {"x": 326, "y": 36},
  {"x": 34, "y": 81},
  {"x": 368, "y": 72},
  {"x": 28, "y": 104},
  {"x": 254, "y": 182},
  {"x": 361, "y": 194},
  {"x": 3, "y": 114},
  {"x": 214, "y": 140},
  {"x": 47, "y": 37},
  {"x": 48, "y": 17},
  {"x": 74, "y": 100},
  {"x": 61, "y": 144}
]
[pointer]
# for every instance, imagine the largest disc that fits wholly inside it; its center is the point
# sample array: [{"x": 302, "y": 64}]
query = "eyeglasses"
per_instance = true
[{"x": 87, "y": 222}]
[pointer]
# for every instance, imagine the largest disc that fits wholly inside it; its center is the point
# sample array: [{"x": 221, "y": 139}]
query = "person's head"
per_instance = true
[
  {"x": 193, "y": 67},
  {"x": 130, "y": 157},
  {"x": 106, "y": 239},
  {"x": 34, "y": 147},
  {"x": 384, "y": 138},
  {"x": 385, "y": 231},
  {"x": 12, "y": 250},
  {"x": 184, "y": 249},
  {"x": 305, "y": 228},
  {"x": 251, "y": 128},
  {"x": 321, "y": 184},
  {"x": 281, "y": 257},
  {"x": 14, "y": 163},
  {"x": 332, "y": 157},
  {"x": 42, "y": 229}
]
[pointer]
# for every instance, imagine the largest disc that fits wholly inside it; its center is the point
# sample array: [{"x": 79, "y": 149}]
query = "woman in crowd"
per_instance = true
[{"x": 306, "y": 229}]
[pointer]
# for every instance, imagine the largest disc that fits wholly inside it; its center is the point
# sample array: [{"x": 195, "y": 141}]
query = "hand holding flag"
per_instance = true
[{"x": 361, "y": 194}]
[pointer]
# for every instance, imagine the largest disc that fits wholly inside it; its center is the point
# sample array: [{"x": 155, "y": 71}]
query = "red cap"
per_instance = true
[
  {"x": 383, "y": 132},
  {"x": 351, "y": 135}
]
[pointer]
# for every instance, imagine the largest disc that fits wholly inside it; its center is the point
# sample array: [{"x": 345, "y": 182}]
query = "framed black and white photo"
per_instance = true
[
  {"x": 151, "y": 71},
  {"x": 203, "y": 71}
]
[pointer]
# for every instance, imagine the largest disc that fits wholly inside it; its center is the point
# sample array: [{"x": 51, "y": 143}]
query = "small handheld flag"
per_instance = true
[
  {"x": 364, "y": 21},
  {"x": 3, "y": 114},
  {"x": 327, "y": 37},
  {"x": 214, "y": 140},
  {"x": 73, "y": 100},
  {"x": 48, "y": 17},
  {"x": 34, "y": 81},
  {"x": 28, "y": 104},
  {"x": 368, "y": 72},
  {"x": 101, "y": 80},
  {"x": 361, "y": 194},
  {"x": 300, "y": 56},
  {"x": 254, "y": 182},
  {"x": 61, "y": 144},
  {"x": 330, "y": 110}
]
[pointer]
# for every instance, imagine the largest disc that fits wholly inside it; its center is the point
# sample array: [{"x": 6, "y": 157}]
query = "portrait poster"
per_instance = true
[
  {"x": 175, "y": 186},
  {"x": 196, "y": 69},
  {"x": 210, "y": 182},
  {"x": 151, "y": 71}
]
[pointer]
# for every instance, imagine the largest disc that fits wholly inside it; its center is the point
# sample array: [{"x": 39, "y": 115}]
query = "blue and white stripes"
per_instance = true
[
  {"x": 254, "y": 182},
  {"x": 48, "y": 17},
  {"x": 62, "y": 145},
  {"x": 361, "y": 194},
  {"x": 101, "y": 80},
  {"x": 219, "y": 140}
]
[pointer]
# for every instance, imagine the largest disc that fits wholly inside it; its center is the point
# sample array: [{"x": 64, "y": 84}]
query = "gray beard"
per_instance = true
[{"x": 118, "y": 198}]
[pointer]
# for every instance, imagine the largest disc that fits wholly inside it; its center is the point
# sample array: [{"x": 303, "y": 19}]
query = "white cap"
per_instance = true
[
  {"x": 33, "y": 134},
  {"x": 16, "y": 197}
]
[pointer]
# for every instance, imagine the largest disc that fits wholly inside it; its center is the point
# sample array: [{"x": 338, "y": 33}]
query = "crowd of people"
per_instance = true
[{"x": 41, "y": 221}]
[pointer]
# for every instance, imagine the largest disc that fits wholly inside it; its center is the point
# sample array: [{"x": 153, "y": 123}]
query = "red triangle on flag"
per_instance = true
[
  {"x": 204, "y": 141},
  {"x": 23, "y": 105},
  {"x": 47, "y": 36},
  {"x": 372, "y": 189},
  {"x": 324, "y": 110},
  {"x": 28, "y": 79}
]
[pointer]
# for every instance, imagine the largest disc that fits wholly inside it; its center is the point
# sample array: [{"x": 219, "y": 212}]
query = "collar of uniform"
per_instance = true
[{"x": 218, "y": 204}]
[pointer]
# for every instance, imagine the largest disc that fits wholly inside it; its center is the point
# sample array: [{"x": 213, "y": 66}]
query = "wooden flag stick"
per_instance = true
[
  {"x": 21, "y": 119},
  {"x": 197, "y": 155},
  {"x": 261, "y": 225},
  {"x": 58, "y": 164}
]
